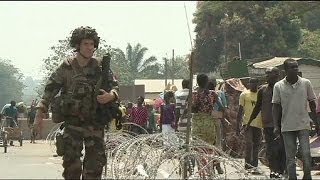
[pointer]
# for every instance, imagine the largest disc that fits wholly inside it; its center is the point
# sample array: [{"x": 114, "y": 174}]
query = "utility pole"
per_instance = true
[
  {"x": 240, "y": 51},
  {"x": 189, "y": 116},
  {"x": 172, "y": 69},
  {"x": 165, "y": 72}
]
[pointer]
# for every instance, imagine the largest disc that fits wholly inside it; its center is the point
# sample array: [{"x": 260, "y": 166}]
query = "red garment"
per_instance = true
[{"x": 139, "y": 115}]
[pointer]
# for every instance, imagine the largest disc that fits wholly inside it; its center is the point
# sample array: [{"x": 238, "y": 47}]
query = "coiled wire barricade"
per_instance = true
[
  {"x": 51, "y": 137},
  {"x": 163, "y": 156}
]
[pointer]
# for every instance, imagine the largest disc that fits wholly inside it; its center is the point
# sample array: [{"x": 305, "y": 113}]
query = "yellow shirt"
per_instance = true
[{"x": 248, "y": 100}]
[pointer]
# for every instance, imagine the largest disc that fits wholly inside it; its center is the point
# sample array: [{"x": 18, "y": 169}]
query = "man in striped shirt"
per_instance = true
[{"x": 181, "y": 106}]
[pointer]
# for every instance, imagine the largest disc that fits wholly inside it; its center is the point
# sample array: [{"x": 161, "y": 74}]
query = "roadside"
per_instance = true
[{"x": 36, "y": 161}]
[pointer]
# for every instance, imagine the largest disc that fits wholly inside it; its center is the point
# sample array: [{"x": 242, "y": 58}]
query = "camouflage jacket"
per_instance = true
[{"x": 76, "y": 81}]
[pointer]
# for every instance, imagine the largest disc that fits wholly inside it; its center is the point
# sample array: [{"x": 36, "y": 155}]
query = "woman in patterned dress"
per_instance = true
[{"x": 203, "y": 123}]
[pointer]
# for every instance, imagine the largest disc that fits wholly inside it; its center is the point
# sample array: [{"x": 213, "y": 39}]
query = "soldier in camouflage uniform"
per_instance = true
[{"x": 76, "y": 79}]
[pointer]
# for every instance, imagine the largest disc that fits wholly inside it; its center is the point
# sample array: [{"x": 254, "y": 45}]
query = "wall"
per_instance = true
[
  {"x": 308, "y": 71},
  {"x": 130, "y": 93},
  {"x": 47, "y": 126},
  {"x": 313, "y": 74},
  {"x": 152, "y": 95}
]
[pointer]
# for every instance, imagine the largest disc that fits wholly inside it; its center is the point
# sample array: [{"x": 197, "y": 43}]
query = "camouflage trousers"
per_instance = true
[{"x": 94, "y": 160}]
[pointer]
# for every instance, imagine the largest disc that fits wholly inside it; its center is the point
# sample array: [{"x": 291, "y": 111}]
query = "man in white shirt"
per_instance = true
[{"x": 290, "y": 98}]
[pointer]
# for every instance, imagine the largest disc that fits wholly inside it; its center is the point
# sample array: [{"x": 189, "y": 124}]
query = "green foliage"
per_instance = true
[
  {"x": 179, "y": 69},
  {"x": 62, "y": 50},
  {"x": 311, "y": 20},
  {"x": 10, "y": 83},
  {"x": 264, "y": 28},
  {"x": 132, "y": 65},
  {"x": 126, "y": 66},
  {"x": 310, "y": 43},
  {"x": 59, "y": 53},
  {"x": 29, "y": 92}
]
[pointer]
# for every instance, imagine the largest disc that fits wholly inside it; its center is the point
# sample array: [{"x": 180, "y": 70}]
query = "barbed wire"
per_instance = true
[
  {"x": 159, "y": 156},
  {"x": 51, "y": 137},
  {"x": 163, "y": 156}
]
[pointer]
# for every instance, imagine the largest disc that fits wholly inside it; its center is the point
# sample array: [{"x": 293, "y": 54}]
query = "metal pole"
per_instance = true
[
  {"x": 172, "y": 69},
  {"x": 165, "y": 72}
]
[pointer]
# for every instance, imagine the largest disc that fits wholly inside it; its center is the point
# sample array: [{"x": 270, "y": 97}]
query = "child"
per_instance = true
[
  {"x": 167, "y": 115},
  {"x": 152, "y": 120}
]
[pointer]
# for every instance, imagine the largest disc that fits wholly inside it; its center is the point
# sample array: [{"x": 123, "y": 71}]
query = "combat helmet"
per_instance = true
[{"x": 81, "y": 33}]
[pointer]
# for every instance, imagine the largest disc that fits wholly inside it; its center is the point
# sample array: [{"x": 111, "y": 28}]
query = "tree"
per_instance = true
[
  {"x": 10, "y": 83},
  {"x": 311, "y": 20},
  {"x": 62, "y": 50},
  {"x": 29, "y": 92},
  {"x": 126, "y": 66},
  {"x": 179, "y": 69},
  {"x": 132, "y": 64},
  {"x": 264, "y": 28},
  {"x": 59, "y": 52},
  {"x": 310, "y": 43}
]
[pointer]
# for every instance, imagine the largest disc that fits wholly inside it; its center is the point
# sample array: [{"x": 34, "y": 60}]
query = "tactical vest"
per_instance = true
[{"x": 77, "y": 97}]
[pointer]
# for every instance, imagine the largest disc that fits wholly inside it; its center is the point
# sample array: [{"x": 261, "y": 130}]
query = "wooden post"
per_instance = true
[
  {"x": 172, "y": 69},
  {"x": 189, "y": 115},
  {"x": 165, "y": 72},
  {"x": 185, "y": 161}
]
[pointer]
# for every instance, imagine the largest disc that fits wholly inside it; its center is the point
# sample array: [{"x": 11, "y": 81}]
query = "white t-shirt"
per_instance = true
[{"x": 294, "y": 99}]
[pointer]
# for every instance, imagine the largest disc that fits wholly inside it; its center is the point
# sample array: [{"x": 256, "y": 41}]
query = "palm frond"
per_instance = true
[
  {"x": 139, "y": 56},
  {"x": 147, "y": 62},
  {"x": 129, "y": 52}
]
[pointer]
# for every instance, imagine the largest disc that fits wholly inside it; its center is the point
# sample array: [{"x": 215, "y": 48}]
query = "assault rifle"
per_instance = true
[{"x": 106, "y": 112}]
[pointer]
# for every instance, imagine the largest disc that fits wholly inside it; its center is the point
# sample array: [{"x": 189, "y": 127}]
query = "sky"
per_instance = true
[{"x": 29, "y": 29}]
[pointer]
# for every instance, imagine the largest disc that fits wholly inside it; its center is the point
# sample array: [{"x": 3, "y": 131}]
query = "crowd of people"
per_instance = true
[{"x": 275, "y": 111}]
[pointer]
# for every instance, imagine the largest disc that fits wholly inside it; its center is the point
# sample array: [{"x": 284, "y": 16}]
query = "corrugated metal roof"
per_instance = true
[{"x": 276, "y": 61}]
